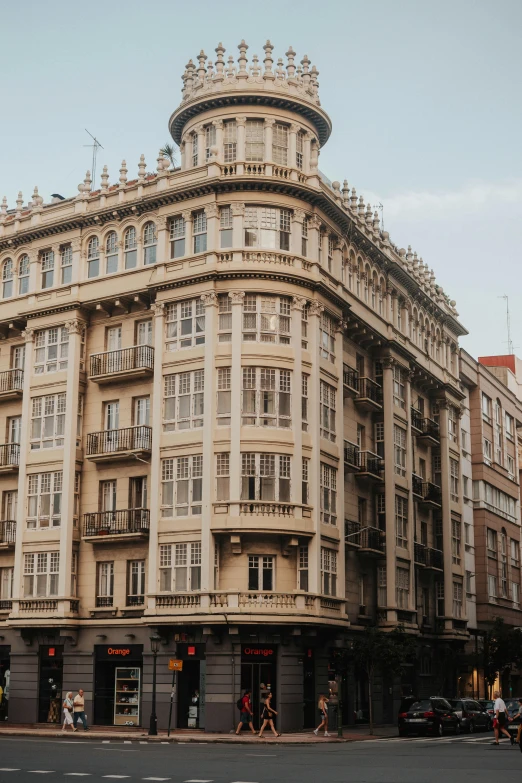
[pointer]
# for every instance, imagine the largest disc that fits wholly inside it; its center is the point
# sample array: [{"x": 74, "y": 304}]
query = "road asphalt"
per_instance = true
[{"x": 449, "y": 760}]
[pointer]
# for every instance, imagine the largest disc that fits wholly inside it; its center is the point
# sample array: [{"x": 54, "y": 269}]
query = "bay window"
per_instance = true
[
  {"x": 399, "y": 448},
  {"x": 229, "y": 141},
  {"x": 225, "y": 227},
  {"x": 265, "y": 398},
  {"x": 328, "y": 571},
  {"x": 224, "y": 396},
  {"x": 105, "y": 583},
  {"x": 328, "y": 494},
  {"x": 130, "y": 245},
  {"x": 185, "y": 324},
  {"x": 265, "y": 477},
  {"x": 51, "y": 350},
  {"x": 402, "y": 587},
  {"x": 302, "y": 568},
  {"x": 223, "y": 476},
  {"x": 44, "y": 500},
  {"x": 327, "y": 405},
  {"x": 280, "y": 144},
  {"x": 267, "y": 227},
  {"x": 401, "y": 521},
  {"x": 224, "y": 318},
  {"x": 180, "y": 567},
  {"x": 327, "y": 337},
  {"x": 266, "y": 319},
  {"x": 183, "y": 405},
  {"x": 255, "y": 140},
  {"x": 47, "y": 421},
  {"x": 135, "y": 582},
  {"x": 181, "y": 486},
  {"x": 41, "y": 572},
  {"x": 261, "y": 572},
  {"x": 210, "y": 140}
]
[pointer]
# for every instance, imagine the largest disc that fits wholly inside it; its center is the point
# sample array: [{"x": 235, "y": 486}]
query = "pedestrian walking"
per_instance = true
[
  {"x": 322, "y": 706},
  {"x": 267, "y": 716},
  {"x": 519, "y": 731},
  {"x": 68, "y": 707},
  {"x": 79, "y": 710},
  {"x": 501, "y": 719},
  {"x": 245, "y": 707}
]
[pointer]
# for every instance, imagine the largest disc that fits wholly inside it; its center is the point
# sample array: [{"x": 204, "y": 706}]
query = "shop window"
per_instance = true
[{"x": 261, "y": 572}]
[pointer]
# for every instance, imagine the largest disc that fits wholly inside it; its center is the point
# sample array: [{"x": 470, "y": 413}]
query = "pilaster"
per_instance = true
[
  {"x": 314, "y": 551},
  {"x": 207, "y": 550},
  {"x": 235, "y": 395},
  {"x": 389, "y": 488},
  {"x": 155, "y": 461}
]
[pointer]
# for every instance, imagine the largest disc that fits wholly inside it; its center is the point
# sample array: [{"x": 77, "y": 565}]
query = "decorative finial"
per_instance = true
[
  {"x": 104, "y": 179},
  {"x": 87, "y": 182},
  {"x": 353, "y": 200},
  {"x": 242, "y": 61},
  {"x": 346, "y": 193},
  {"x": 290, "y": 68},
  {"x": 305, "y": 62},
  {"x": 3, "y": 208},
  {"x": 360, "y": 208},
  {"x": 142, "y": 168},
  {"x": 220, "y": 63},
  {"x": 201, "y": 69},
  {"x": 376, "y": 222},
  {"x": 255, "y": 68},
  {"x": 280, "y": 70},
  {"x": 268, "y": 61},
  {"x": 19, "y": 203},
  {"x": 123, "y": 174},
  {"x": 231, "y": 70}
]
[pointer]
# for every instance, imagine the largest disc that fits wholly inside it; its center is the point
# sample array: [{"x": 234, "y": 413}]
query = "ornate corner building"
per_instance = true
[{"x": 231, "y": 409}]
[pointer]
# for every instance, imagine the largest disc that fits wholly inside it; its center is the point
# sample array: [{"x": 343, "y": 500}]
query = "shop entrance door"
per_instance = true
[
  {"x": 5, "y": 677},
  {"x": 260, "y": 679},
  {"x": 188, "y": 695},
  {"x": 50, "y": 685},
  {"x": 309, "y": 696}
]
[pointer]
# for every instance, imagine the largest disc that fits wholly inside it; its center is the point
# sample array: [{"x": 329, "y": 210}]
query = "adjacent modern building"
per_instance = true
[{"x": 232, "y": 419}]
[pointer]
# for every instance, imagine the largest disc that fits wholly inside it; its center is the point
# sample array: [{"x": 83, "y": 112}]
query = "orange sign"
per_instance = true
[{"x": 175, "y": 665}]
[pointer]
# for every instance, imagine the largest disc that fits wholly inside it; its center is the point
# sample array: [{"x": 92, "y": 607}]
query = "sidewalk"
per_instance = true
[{"x": 107, "y": 733}]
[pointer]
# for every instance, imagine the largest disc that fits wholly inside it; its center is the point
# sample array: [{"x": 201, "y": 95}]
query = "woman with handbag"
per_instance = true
[
  {"x": 67, "y": 712},
  {"x": 267, "y": 716}
]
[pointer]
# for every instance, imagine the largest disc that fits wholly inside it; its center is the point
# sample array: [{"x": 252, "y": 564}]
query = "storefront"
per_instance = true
[
  {"x": 191, "y": 686},
  {"x": 5, "y": 678},
  {"x": 258, "y": 674},
  {"x": 117, "y": 684},
  {"x": 50, "y": 684}
]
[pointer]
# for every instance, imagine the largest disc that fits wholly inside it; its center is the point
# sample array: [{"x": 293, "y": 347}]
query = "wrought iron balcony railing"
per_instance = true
[
  {"x": 139, "y": 357},
  {"x": 113, "y": 441},
  {"x": 9, "y": 455},
  {"x": 423, "y": 425},
  {"x": 11, "y": 381},
  {"x": 7, "y": 531},
  {"x": 370, "y": 390},
  {"x": 109, "y": 523}
]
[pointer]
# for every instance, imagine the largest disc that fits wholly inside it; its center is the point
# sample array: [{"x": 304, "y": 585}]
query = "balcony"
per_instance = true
[
  {"x": 11, "y": 384},
  {"x": 371, "y": 467},
  {"x": 367, "y": 540},
  {"x": 369, "y": 395},
  {"x": 426, "y": 430},
  {"x": 9, "y": 457},
  {"x": 266, "y": 509},
  {"x": 427, "y": 494},
  {"x": 38, "y": 605},
  {"x": 127, "y": 363},
  {"x": 7, "y": 533},
  {"x": 429, "y": 558},
  {"x": 105, "y": 526},
  {"x": 351, "y": 457},
  {"x": 350, "y": 382},
  {"x": 116, "y": 445}
]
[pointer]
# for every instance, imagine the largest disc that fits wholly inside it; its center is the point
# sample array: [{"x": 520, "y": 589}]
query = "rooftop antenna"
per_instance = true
[
  {"x": 380, "y": 207},
  {"x": 508, "y": 322},
  {"x": 95, "y": 147}
]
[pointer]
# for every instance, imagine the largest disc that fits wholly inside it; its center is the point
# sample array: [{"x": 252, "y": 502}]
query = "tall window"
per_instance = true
[
  {"x": 304, "y": 237},
  {"x": 327, "y": 403},
  {"x": 44, "y": 501},
  {"x": 224, "y": 318},
  {"x": 135, "y": 582},
  {"x": 105, "y": 584},
  {"x": 401, "y": 521},
  {"x": 51, "y": 350},
  {"x": 14, "y": 429},
  {"x": 497, "y": 433},
  {"x": 515, "y": 552},
  {"x": 183, "y": 407},
  {"x": 379, "y": 439},
  {"x": 180, "y": 567},
  {"x": 23, "y": 275},
  {"x": 10, "y": 504},
  {"x": 93, "y": 257},
  {"x": 254, "y": 140},
  {"x": 510, "y": 427},
  {"x": 223, "y": 476},
  {"x": 331, "y": 248},
  {"x": 261, "y": 572},
  {"x": 457, "y": 600},
  {"x": 454, "y": 480},
  {"x": 181, "y": 489},
  {"x": 399, "y": 379},
  {"x": 302, "y": 568},
  {"x": 107, "y": 496},
  {"x": 455, "y": 540},
  {"x": 267, "y": 228},
  {"x": 492, "y": 588},
  {"x": 304, "y": 402},
  {"x": 6, "y": 583},
  {"x": 486, "y": 408},
  {"x": 328, "y": 571},
  {"x": 130, "y": 246},
  {"x": 328, "y": 491},
  {"x": 223, "y": 396},
  {"x": 225, "y": 227},
  {"x": 195, "y": 155},
  {"x": 185, "y": 324},
  {"x": 491, "y": 542},
  {"x": 327, "y": 336},
  {"x": 41, "y": 572},
  {"x": 111, "y": 253},
  {"x": 265, "y": 477},
  {"x": 47, "y": 421},
  {"x": 141, "y": 413},
  {"x": 150, "y": 241},
  {"x": 265, "y": 399},
  {"x": 399, "y": 448},
  {"x": 305, "y": 482},
  {"x": 381, "y": 586},
  {"x": 453, "y": 424},
  {"x": 299, "y": 146},
  {"x": 66, "y": 259},
  {"x": 47, "y": 260},
  {"x": 439, "y": 595},
  {"x": 280, "y": 144},
  {"x": 402, "y": 587},
  {"x": 177, "y": 237},
  {"x": 210, "y": 140},
  {"x": 199, "y": 230},
  {"x": 266, "y": 319},
  {"x": 229, "y": 141},
  {"x": 7, "y": 278},
  {"x": 488, "y": 451}
]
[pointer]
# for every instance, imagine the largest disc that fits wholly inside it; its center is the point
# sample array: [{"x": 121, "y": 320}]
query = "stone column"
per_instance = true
[
  {"x": 298, "y": 303},
  {"x": 163, "y": 248},
  {"x": 76, "y": 329},
  {"x": 76, "y": 245},
  {"x": 187, "y": 217},
  {"x": 314, "y": 549},
  {"x": 218, "y": 124},
  {"x": 411, "y": 512},
  {"x": 241, "y": 143},
  {"x": 183, "y": 153},
  {"x": 34, "y": 270},
  {"x": 306, "y": 152},
  {"x": 269, "y": 125},
  {"x": 389, "y": 488},
  {"x": 339, "y": 430},
  {"x": 207, "y": 549},
  {"x": 28, "y": 335},
  {"x": 292, "y": 146},
  {"x": 235, "y": 395},
  {"x": 211, "y": 211},
  {"x": 200, "y": 130},
  {"x": 446, "y": 513},
  {"x": 238, "y": 212},
  {"x": 389, "y": 307},
  {"x": 314, "y": 227},
  {"x": 298, "y": 216},
  {"x": 155, "y": 462}
]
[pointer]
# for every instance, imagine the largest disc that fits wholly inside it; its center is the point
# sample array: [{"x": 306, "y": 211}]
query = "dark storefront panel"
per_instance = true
[
  {"x": 189, "y": 691},
  {"x": 5, "y": 678},
  {"x": 309, "y": 696},
  {"x": 50, "y": 684},
  {"x": 109, "y": 660},
  {"x": 258, "y": 675}
]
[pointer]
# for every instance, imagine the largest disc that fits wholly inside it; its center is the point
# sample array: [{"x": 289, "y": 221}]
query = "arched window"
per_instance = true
[
  {"x": 130, "y": 244},
  {"x": 149, "y": 243},
  {"x": 111, "y": 252},
  {"x": 93, "y": 257},
  {"x": 7, "y": 278},
  {"x": 23, "y": 275}
]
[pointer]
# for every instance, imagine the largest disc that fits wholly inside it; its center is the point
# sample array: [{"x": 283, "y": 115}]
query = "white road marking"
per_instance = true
[
  {"x": 262, "y": 755},
  {"x": 127, "y": 742},
  {"x": 119, "y": 777},
  {"x": 41, "y": 771},
  {"x": 78, "y": 774},
  {"x": 10, "y": 769},
  {"x": 156, "y": 778},
  {"x": 105, "y": 742},
  {"x": 198, "y": 781},
  {"x": 144, "y": 742}
]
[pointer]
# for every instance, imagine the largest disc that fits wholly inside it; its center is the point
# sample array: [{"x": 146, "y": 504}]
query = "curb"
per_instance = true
[{"x": 206, "y": 739}]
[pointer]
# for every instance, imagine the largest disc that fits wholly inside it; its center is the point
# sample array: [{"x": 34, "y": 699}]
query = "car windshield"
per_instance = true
[
  {"x": 420, "y": 706},
  {"x": 512, "y": 705},
  {"x": 488, "y": 705}
]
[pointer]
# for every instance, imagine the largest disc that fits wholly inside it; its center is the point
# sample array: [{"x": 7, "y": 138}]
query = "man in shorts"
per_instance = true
[
  {"x": 246, "y": 714},
  {"x": 501, "y": 718}
]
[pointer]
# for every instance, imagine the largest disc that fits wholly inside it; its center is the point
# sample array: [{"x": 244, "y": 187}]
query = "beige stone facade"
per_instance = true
[{"x": 238, "y": 408}]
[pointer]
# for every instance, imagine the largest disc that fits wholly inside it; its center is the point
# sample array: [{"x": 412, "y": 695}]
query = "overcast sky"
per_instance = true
[{"x": 424, "y": 96}]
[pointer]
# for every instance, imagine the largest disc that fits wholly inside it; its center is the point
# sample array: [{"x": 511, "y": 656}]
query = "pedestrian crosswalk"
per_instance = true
[{"x": 462, "y": 739}]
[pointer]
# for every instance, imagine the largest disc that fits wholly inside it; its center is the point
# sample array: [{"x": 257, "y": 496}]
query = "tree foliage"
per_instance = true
[
  {"x": 168, "y": 151},
  {"x": 502, "y": 649}
]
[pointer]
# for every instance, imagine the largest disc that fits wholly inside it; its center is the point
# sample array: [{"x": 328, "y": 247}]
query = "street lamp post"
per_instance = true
[{"x": 155, "y": 641}]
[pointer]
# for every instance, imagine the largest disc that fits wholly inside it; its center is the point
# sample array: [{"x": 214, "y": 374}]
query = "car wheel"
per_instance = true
[
  {"x": 440, "y": 730},
  {"x": 471, "y": 727}
]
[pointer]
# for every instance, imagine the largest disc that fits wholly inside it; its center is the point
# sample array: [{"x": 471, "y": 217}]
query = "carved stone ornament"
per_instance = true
[
  {"x": 299, "y": 303},
  {"x": 237, "y": 297},
  {"x": 295, "y": 128},
  {"x": 28, "y": 335},
  {"x": 161, "y": 223},
  {"x": 157, "y": 309},
  {"x": 187, "y": 215},
  {"x": 316, "y": 308},
  {"x": 217, "y": 124},
  {"x": 75, "y": 327},
  {"x": 315, "y": 222},
  {"x": 299, "y": 215},
  {"x": 209, "y": 299},
  {"x": 388, "y": 363},
  {"x": 211, "y": 210},
  {"x": 76, "y": 244},
  {"x": 238, "y": 209},
  {"x": 241, "y": 121}
]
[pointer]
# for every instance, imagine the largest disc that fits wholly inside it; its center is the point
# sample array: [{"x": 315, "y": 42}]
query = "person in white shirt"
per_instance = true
[{"x": 502, "y": 717}]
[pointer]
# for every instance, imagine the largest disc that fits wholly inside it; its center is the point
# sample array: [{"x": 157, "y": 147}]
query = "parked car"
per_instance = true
[
  {"x": 429, "y": 716},
  {"x": 487, "y": 705},
  {"x": 472, "y": 716}
]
